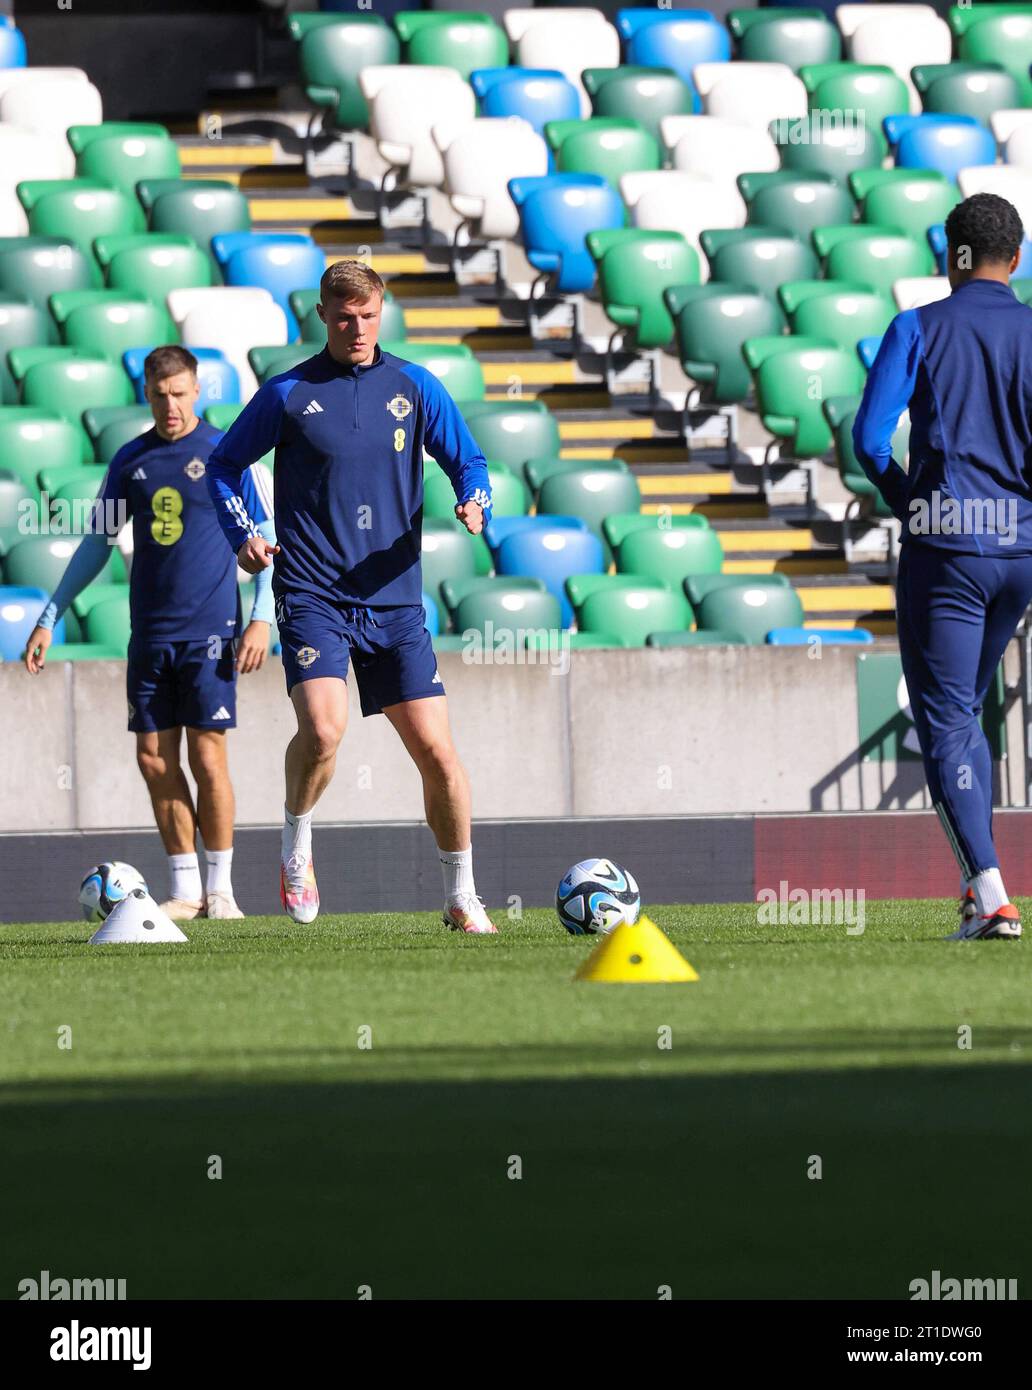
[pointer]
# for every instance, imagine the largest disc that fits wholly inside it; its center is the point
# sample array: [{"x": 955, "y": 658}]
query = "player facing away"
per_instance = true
[
  {"x": 349, "y": 428},
  {"x": 964, "y": 367},
  {"x": 185, "y": 650}
]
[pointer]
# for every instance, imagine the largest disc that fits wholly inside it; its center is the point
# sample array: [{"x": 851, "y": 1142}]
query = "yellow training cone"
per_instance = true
[{"x": 641, "y": 954}]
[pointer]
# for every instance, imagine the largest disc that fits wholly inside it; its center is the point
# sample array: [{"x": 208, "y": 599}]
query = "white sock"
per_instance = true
[
  {"x": 185, "y": 875},
  {"x": 219, "y": 878},
  {"x": 297, "y": 834},
  {"x": 457, "y": 865},
  {"x": 989, "y": 891}
]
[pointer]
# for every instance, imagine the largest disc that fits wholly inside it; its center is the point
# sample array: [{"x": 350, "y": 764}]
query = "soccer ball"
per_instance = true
[
  {"x": 595, "y": 896},
  {"x": 104, "y": 887}
]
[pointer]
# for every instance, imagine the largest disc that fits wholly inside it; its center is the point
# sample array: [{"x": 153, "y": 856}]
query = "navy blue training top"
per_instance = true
[
  {"x": 348, "y": 476},
  {"x": 964, "y": 367}
]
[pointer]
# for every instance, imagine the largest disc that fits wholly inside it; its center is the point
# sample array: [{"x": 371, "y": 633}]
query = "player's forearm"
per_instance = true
[
  {"x": 472, "y": 484},
  {"x": 262, "y": 608},
  {"x": 224, "y": 481},
  {"x": 83, "y": 568}
]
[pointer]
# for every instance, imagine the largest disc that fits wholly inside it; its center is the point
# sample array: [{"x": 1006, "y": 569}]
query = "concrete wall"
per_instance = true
[{"x": 621, "y": 733}]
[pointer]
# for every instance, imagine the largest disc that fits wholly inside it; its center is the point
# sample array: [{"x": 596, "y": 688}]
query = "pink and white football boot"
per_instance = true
[
  {"x": 299, "y": 893},
  {"x": 467, "y": 913}
]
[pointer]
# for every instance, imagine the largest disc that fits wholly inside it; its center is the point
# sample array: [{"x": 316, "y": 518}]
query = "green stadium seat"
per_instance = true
[
  {"x": 448, "y": 553},
  {"x": 791, "y": 36},
  {"x": 155, "y": 265},
  {"x": 864, "y": 180},
  {"x": 513, "y": 431},
  {"x": 758, "y": 258},
  {"x": 813, "y": 74},
  {"x": 961, "y": 17},
  {"x": 200, "y": 213},
  {"x": 602, "y": 146},
  {"x": 641, "y": 95},
  {"x": 670, "y": 554},
  {"x": 876, "y": 92},
  {"x": 122, "y": 160},
  {"x": 634, "y": 268},
  {"x": 82, "y": 489},
  {"x": 29, "y": 191},
  {"x": 221, "y": 416},
  {"x": 20, "y": 361},
  {"x": 632, "y": 612},
  {"x": 79, "y": 136},
  {"x": 509, "y": 607},
  {"x": 1004, "y": 38},
  {"x": 810, "y": 145},
  {"x": 14, "y": 495},
  {"x": 576, "y": 641},
  {"x": 509, "y": 495},
  {"x": 267, "y": 362},
  {"x": 911, "y": 204},
  {"x": 482, "y": 561},
  {"x": 873, "y": 256},
  {"x": 454, "y": 365},
  {"x": 795, "y": 203},
  {"x": 95, "y": 419},
  {"x": 789, "y": 405},
  {"x": 535, "y": 471},
  {"x": 30, "y": 445},
  {"x": 116, "y": 326},
  {"x": 39, "y": 562},
  {"x": 150, "y": 190},
  {"x": 591, "y": 494},
  {"x": 580, "y": 587},
  {"x": 695, "y": 639},
  {"x": 453, "y": 589},
  {"x": 619, "y": 525},
  {"x": 37, "y": 267},
  {"x": 465, "y": 41},
  {"x": 836, "y": 309},
  {"x": 51, "y": 480},
  {"x": 108, "y": 623},
  {"x": 840, "y": 412},
  {"x": 119, "y": 432},
  {"x": 333, "y": 56},
  {"x": 81, "y": 215},
  {"x": 712, "y": 322},
  {"x": 751, "y": 609},
  {"x": 977, "y": 93},
  {"x": 83, "y": 651},
  {"x": 1023, "y": 290},
  {"x": 755, "y": 351},
  {"x": 22, "y": 324},
  {"x": 98, "y": 592},
  {"x": 71, "y": 386},
  {"x": 697, "y": 586}
]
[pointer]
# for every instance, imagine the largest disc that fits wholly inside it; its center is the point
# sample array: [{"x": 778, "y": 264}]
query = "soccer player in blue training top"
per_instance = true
[
  {"x": 185, "y": 611},
  {"x": 964, "y": 367},
  {"x": 349, "y": 426}
]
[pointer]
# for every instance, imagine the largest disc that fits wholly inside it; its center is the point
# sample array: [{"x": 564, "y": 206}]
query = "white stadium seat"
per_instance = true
[
  {"x": 674, "y": 202},
  {"x": 405, "y": 102},
  {"x": 719, "y": 149},
  {"x": 850, "y": 17},
  {"x": 1018, "y": 150},
  {"x": 232, "y": 298},
  {"x": 752, "y": 93},
  {"x": 1004, "y": 123},
  {"x": 234, "y": 327},
  {"x": 914, "y": 290},
  {"x": 25, "y": 154},
  {"x": 569, "y": 44},
  {"x": 10, "y": 77},
  {"x": 1008, "y": 181},
  {"x": 479, "y": 159},
  {"x": 51, "y": 107},
  {"x": 517, "y": 22},
  {"x": 902, "y": 42}
]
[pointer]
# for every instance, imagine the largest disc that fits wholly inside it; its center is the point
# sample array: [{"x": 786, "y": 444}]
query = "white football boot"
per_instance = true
[
  {"x": 468, "y": 913},
  {"x": 222, "y": 905}
]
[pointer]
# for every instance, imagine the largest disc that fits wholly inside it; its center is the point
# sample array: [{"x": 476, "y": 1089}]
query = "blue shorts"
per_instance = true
[
  {"x": 181, "y": 684},
  {"x": 391, "y": 649}
]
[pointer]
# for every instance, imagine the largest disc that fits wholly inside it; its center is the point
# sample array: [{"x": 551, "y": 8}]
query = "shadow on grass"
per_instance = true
[{"x": 699, "y": 1183}]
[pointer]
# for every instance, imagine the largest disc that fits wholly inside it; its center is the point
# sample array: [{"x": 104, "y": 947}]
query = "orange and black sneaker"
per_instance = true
[{"x": 1002, "y": 925}]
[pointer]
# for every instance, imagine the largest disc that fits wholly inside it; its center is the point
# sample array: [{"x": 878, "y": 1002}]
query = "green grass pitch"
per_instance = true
[{"x": 391, "y": 1167}]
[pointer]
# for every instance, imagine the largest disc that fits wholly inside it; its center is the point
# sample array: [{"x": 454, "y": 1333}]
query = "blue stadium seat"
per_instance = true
[
  {"x": 279, "y": 264},
  {"x": 895, "y": 127},
  {"x": 13, "y": 53},
  {"x": 433, "y": 622},
  {"x": 220, "y": 384},
  {"x": 946, "y": 146},
  {"x": 556, "y": 213},
  {"x": 551, "y": 553},
  {"x": 867, "y": 350},
  {"x": 536, "y": 94},
  {"x": 500, "y": 528},
  {"x": 675, "y": 39},
  {"x": 829, "y": 636},
  {"x": 19, "y": 608},
  {"x": 937, "y": 241}
]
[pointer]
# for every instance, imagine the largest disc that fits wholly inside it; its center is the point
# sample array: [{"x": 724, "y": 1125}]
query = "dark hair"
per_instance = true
[
  {"x": 168, "y": 361},
  {"x": 988, "y": 226}
]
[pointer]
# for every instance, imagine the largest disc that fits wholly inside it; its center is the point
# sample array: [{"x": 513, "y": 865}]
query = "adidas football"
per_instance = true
[
  {"x": 595, "y": 896},
  {"x": 104, "y": 887}
]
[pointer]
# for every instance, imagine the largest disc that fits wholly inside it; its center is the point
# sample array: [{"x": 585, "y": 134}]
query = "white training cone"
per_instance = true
[{"x": 136, "y": 918}]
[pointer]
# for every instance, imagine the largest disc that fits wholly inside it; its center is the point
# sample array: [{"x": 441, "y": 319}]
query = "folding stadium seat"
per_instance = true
[
  {"x": 576, "y": 641},
  {"x": 52, "y": 480},
  {"x": 976, "y": 94},
  {"x": 552, "y": 554},
  {"x": 795, "y": 203},
  {"x": 508, "y": 610},
  {"x": 580, "y": 587},
  {"x": 634, "y": 268},
  {"x": 82, "y": 651},
  {"x": 200, "y": 212},
  {"x": 901, "y": 38},
  {"x": 671, "y": 554},
  {"x": 873, "y": 92},
  {"x": 27, "y": 446},
  {"x": 813, "y": 145},
  {"x": 454, "y": 365},
  {"x": 154, "y": 265},
  {"x": 95, "y": 419},
  {"x": 758, "y": 258},
  {"x": 447, "y": 553},
  {"x": 122, "y": 160},
  {"x": 79, "y": 136},
  {"x": 914, "y": 291},
  {"x": 500, "y": 528},
  {"x": 641, "y": 95},
  {"x": 113, "y": 328},
  {"x": 267, "y": 362},
  {"x": 332, "y": 57},
  {"x": 463, "y": 41},
  {"x": 556, "y": 213},
  {"x": 20, "y": 606},
  {"x": 536, "y": 470},
  {"x": 13, "y": 53},
  {"x": 695, "y": 639},
  {"x": 1004, "y": 38},
  {"x": 479, "y": 160},
  {"x": 946, "y": 146},
  {"x": 82, "y": 489},
  {"x": 590, "y": 494},
  {"x": 119, "y": 432},
  {"x": 792, "y": 36},
  {"x": 602, "y": 146},
  {"x": 671, "y": 201},
  {"x": 513, "y": 431},
  {"x": 404, "y": 104},
  {"x": 872, "y": 256},
  {"x": 619, "y": 525},
  {"x": 835, "y": 309},
  {"x": 14, "y": 494},
  {"x": 911, "y": 203},
  {"x": 677, "y": 39},
  {"x": 24, "y": 155},
  {"x": 633, "y": 611},
  {"x": 431, "y": 618},
  {"x": 108, "y": 623},
  {"x": 22, "y": 324},
  {"x": 537, "y": 95},
  {"x": 217, "y": 377},
  {"x": 751, "y": 93},
  {"x": 711, "y": 324},
  {"x": 788, "y": 404},
  {"x": 897, "y": 126},
  {"x": 750, "y": 609},
  {"x": 509, "y": 495},
  {"x": 1018, "y": 144},
  {"x": 1007, "y": 181},
  {"x": 21, "y": 360},
  {"x": 568, "y": 41},
  {"x": 232, "y": 319},
  {"x": 713, "y": 147},
  {"x": 827, "y": 636},
  {"x": 29, "y": 191},
  {"x": 38, "y": 562},
  {"x": 81, "y": 215},
  {"x": 275, "y": 264},
  {"x": 50, "y": 107},
  {"x": 867, "y": 350},
  {"x": 68, "y": 387}
]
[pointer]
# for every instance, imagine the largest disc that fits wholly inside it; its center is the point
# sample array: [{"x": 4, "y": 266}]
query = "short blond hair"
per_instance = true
[{"x": 351, "y": 280}]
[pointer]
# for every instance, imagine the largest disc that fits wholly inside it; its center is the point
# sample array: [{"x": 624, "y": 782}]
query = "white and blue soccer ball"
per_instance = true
[
  {"x": 104, "y": 887},
  {"x": 595, "y": 896}
]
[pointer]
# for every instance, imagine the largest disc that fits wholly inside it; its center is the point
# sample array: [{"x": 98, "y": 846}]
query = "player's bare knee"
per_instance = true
[
  {"x": 322, "y": 739},
  {"x": 155, "y": 766}
]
